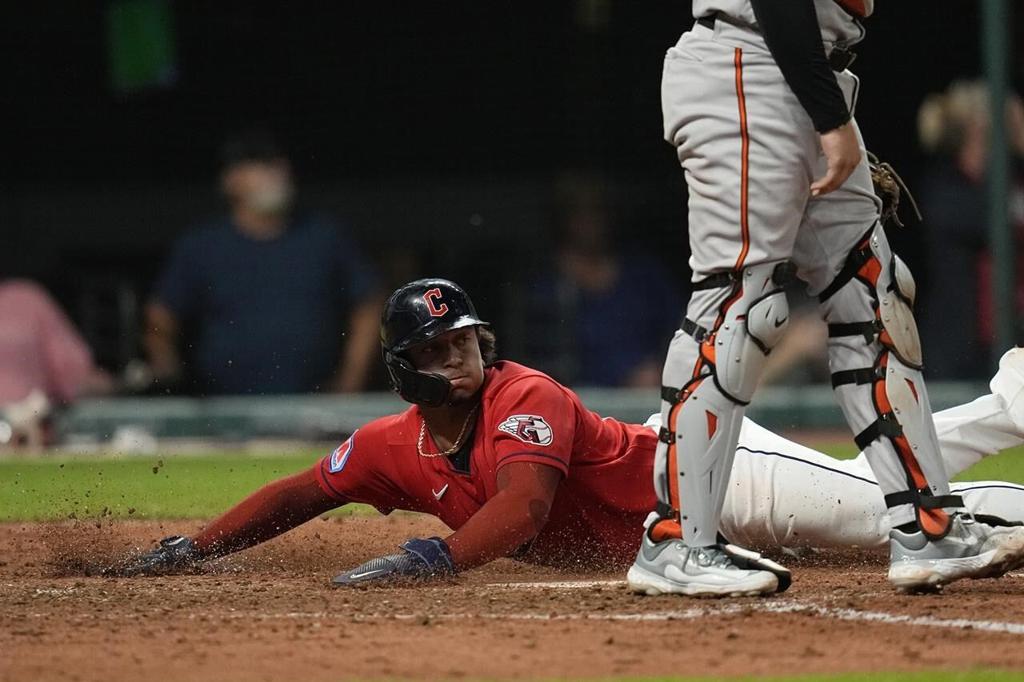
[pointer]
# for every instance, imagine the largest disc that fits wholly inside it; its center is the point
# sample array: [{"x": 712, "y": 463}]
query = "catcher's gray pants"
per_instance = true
[{"x": 749, "y": 153}]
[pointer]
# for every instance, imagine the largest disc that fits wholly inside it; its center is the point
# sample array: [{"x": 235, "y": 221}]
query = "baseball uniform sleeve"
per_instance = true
[
  {"x": 351, "y": 472},
  {"x": 792, "y": 34},
  {"x": 533, "y": 421}
]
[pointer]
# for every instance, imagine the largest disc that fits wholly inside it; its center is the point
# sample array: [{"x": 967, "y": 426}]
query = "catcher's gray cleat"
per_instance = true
[
  {"x": 670, "y": 567},
  {"x": 972, "y": 549}
]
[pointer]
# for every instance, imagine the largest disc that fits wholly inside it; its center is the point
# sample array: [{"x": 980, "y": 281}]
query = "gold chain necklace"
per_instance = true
[{"x": 458, "y": 441}]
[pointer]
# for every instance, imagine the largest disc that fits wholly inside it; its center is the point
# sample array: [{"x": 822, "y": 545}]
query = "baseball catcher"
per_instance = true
[
  {"x": 758, "y": 103},
  {"x": 518, "y": 467}
]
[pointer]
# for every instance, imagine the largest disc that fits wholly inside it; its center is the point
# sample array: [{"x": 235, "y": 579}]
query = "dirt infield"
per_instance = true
[{"x": 269, "y": 614}]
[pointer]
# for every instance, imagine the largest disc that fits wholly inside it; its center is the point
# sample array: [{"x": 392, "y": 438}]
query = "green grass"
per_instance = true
[
  {"x": 143, "y": 487},
  {"x": 936, "y": 676},
  {"x": 205, "y": 484},
  {"x": 1007, "y": 466}
]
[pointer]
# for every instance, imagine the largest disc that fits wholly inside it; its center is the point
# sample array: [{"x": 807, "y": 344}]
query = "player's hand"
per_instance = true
[
  {"x": 174, "y": 553},
  {"x": 419, "y": 559},
  {"x": 843, "y": 154}
]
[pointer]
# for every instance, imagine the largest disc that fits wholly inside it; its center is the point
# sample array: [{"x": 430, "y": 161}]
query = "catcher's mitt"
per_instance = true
[{"x": 888, "y": 185}]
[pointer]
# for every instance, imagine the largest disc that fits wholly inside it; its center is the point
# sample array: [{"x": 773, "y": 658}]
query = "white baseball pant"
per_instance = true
[{"x": 783, "y": 494}]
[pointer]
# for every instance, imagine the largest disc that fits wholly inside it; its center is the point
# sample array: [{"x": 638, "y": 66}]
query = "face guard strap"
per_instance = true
[{"x": 422, "y": 388}]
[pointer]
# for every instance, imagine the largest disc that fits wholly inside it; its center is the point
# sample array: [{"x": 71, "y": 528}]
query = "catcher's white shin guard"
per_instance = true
[
  {"x": 875, "y": 357},
  {"x": 713, "y": 366}
]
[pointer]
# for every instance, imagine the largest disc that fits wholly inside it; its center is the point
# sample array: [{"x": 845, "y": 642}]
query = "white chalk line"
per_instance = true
[
  {"x": 556, "y": 585},
  {"x": 771, "y": 607},
  {"x": 590, "y": 584},
  {"x": 775, "y": 606}
]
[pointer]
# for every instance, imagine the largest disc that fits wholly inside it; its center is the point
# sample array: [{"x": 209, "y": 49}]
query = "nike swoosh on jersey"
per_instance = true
[{"x": 438, "y": 494}]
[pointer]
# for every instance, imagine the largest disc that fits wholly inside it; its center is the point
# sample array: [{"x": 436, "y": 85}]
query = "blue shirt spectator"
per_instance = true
[
  {"x": 606, "y": 308},
  {"x": 622, "y": 331},
  {"x": 269, "y": 314},
  {"x": 605, "y": 323},
  {"x": 276, "y": 301}
]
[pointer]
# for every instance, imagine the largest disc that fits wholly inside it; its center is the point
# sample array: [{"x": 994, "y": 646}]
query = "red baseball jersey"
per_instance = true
[{"x": 525, "y": 416}]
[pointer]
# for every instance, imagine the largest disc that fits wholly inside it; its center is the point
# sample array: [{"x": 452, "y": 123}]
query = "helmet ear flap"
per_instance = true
[{"x": 423, "y": 388}]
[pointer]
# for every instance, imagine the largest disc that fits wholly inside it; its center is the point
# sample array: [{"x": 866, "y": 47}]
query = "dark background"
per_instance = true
[{"x": 436, "y": 130}]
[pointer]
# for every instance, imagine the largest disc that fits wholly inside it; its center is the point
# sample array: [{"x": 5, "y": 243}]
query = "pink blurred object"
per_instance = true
[
  {"x": 39, "y": 347},
  {"x": 986, "y": 309}
]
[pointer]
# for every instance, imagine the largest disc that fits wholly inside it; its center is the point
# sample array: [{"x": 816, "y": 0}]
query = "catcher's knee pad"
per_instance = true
[
  {"x": 886, "y": 280},
  {"x": 704, "y": 415},
  {"x": 751, "y": 321},
  {"x": 871, "y": 324}
]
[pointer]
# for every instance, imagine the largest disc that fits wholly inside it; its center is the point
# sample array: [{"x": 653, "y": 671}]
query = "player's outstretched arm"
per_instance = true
[
  {"x": 511, "y": 518},
  {"x": 506, "y": 522},
  {"x": 273, "y": 509}
]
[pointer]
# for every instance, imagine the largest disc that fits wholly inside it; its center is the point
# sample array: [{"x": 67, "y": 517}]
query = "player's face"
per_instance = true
[
  {"x": 259, "y": 186},
  {"x": 456, "y": 356}
]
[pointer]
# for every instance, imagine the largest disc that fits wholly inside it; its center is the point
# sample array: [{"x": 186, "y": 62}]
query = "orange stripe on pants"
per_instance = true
[{"x": 745, "y": 154}]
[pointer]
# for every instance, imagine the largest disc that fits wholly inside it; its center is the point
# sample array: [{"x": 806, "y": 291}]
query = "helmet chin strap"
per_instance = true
[{"x": 428, "y": 389}]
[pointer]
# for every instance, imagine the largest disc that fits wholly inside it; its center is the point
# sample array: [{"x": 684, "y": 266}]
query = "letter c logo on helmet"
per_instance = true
[
  {"x": 415, "y": 313},
  {"x": 430, "y": 296}
]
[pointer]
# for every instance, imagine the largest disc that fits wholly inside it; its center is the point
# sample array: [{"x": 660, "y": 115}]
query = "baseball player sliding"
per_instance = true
[
  {"x": 758, "y": 103},
  {"x": 517, "y": 466}
]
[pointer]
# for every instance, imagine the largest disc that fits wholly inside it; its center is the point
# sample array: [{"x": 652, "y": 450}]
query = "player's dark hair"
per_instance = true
[
  {"x": 253, "y": 144},
  {"x": 488, "y": 345}
]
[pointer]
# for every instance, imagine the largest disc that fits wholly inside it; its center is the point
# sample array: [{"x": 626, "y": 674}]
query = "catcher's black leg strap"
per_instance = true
[
  {"x": 924, "y": 500},
  {"x": 869, "y": 330},
  {"x": 864, "y": 375},
  {"x": 855, "y": 260},
  {"x": 674, "y": 396}
]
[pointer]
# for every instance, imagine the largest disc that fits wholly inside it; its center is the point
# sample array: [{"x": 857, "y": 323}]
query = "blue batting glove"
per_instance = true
[{"x": 420, "y": 558}]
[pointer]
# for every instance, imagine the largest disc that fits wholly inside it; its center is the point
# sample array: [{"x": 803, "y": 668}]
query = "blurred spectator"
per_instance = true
[
  {"x": 953, "y": 126},
  {"x": 278, "y": 300},
  {"x": 801, "y": 357},
  {"x": 602, "y": 313},
  {"x": 44, "y": 362}
]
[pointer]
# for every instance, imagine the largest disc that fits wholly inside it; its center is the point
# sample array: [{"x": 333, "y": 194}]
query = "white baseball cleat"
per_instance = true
[
  {"x": 670, "y": 567},
  {"x": 971, "y": 550},
  {"x": 1008, "y": 384}
]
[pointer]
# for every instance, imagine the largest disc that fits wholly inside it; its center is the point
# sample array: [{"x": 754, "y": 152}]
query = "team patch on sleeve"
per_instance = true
[
  {"x": 528, "y": 428},
  {"x": 340, "y": 456}
]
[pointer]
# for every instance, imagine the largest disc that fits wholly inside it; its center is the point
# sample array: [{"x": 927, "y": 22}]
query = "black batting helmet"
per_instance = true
[{"x": 417, "y": 312}]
